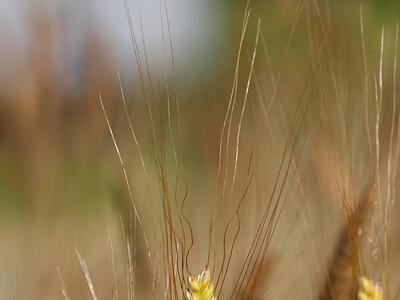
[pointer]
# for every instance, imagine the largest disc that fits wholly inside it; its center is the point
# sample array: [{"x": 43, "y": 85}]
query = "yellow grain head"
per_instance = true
[
  {"x": 200, "y": 287},
  {"x": 369, "y": 290}
]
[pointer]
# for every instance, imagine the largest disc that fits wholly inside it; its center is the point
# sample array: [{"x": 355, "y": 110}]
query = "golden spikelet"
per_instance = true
[
  {"x": 369, "y": 290},
  {"x": 200, "y": 288}
]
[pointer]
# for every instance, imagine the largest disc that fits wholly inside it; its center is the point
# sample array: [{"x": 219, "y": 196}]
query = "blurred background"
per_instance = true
[{"x": 61, "y": 184}]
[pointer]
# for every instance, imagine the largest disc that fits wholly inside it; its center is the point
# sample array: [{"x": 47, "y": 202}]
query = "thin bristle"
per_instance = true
[{"x": 260, "y": 281}]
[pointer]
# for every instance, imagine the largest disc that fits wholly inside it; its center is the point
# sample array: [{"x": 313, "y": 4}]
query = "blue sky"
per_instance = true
[{"x": 196, "y": 34}]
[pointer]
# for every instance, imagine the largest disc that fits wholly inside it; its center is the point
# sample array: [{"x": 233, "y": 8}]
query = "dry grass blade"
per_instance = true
[
  {"x": 85, "y": 270},
  {"x": 342, "y": 278},
  {"x": 114, "y": 272},
  {"x": 63, "y": 287}
]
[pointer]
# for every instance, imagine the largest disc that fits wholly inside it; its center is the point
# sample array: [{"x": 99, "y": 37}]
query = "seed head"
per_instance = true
[
  {"x": 200, "y": 287},
  {"x": 369, "y": 290}
]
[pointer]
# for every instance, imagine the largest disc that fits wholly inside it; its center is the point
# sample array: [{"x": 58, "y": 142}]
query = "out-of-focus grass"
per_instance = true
[{"x": 71, "y": 141}]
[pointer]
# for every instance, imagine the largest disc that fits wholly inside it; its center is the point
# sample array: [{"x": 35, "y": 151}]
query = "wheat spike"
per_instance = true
[{"x": 342, "y": 277}]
